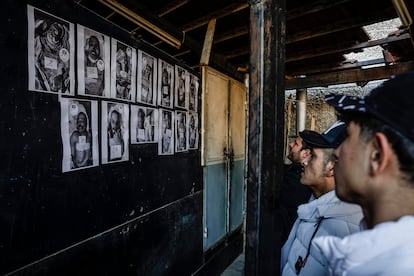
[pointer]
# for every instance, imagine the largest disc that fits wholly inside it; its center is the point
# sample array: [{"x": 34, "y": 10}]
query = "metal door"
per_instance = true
[{"x": 223, "y": 154}]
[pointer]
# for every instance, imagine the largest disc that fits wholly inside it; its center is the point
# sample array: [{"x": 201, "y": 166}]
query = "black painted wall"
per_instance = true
[{"x": 141, "y": 217}]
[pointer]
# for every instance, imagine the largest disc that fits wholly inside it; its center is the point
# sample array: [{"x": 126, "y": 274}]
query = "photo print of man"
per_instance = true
[
  {"x": 182, "y": 80},
  {"x": 79, "y": 131},
  {"x": 144, "y": 124},
  {"x": 165, "y": 83},
  {"x": 180, "y": 131},
  {"x": 166, "y": 132},
  {"x": 93, "y": 63},
  {"x": 115, "y": 132},
  {"x": 147, "y": 79},
  {"x": 51, "y": 53},
  {"x": 193, "y": 94},
  {"x": 192, "y": 126},
  {"x": 123, "y": 71}
]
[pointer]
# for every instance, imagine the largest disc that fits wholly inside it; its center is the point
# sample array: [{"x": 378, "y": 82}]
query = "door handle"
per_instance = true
[{"x": 229, "y": 155}]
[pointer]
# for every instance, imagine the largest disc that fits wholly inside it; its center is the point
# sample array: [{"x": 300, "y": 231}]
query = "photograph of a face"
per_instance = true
[
  {"x": 51, "y": 53},
  {"x": 79, "y": 130},
  {"x": 181, "y": 134},
  {"x": 193, "y": 93},
  {"x": 147, "y": 79},
  {"x": 93, "y": 63},
  {"x": 166, "y": 132},
  {"x": 165, "y": 84},
  {"x": 182, "y": 81},
  {"x": 144, "y": 125},
  {"x": 123, "y": 71},
  {"x": 192, "y": 130},
  {"x": 115, "y": 132}
]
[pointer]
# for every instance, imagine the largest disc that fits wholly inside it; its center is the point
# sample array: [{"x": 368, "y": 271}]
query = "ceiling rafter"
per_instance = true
[
  {"x": 172, "y": 7},
  {"x": 215, "y": 14},
  {"x": 349, "y": 76},
  {"x": 327, "y": 50},
  {"x": 314, "y": 8},
  {"x": 244, "y": 30},
  {"x": 337, "y": 26}
]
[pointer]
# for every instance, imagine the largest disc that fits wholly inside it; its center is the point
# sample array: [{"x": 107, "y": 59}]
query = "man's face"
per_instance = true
[
  {"x": 352, "y": 167},
  {"x": 81, "y": 122},
  {"x": 315, "y": 170},
  {"x": 296, "y": 154},
  {"x": 94, "y": 50},
  {"x": 114, "y": 121}
]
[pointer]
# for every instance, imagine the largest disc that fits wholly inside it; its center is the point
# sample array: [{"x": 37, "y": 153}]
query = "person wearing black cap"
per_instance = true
[
  {"x": 324, "y": 214},
  {"x": 375, "y": 169},
  {"x": 294, "y": 193}
]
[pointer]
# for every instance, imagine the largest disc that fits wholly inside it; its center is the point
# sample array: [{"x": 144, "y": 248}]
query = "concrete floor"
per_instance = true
[{"x": 236, "y": 268}]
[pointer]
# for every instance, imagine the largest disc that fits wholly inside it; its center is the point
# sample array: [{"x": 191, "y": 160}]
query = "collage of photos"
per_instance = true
[{"x": 141, "y": 98}]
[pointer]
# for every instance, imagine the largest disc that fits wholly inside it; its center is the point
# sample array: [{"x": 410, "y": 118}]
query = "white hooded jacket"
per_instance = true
[
  {"x": 326, "y": 215},
  {"x": 387, "y": 249}
]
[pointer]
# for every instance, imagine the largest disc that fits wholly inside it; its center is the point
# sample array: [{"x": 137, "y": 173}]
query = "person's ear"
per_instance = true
[
  {"x": 330, "y": 168},
  {"x": 306, "y": 153},
  {"x": 380, "y": 154}
]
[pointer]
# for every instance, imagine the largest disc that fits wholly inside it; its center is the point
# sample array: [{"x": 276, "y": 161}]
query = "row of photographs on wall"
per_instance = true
[
  {"x": 106, "y": 67},
  {"x": 122, "y": 124}
]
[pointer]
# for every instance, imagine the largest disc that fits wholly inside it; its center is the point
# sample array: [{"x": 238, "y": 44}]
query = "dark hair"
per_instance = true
[
  {"x": 402, "y": 146},
  {"x": 305, "y": 145}
]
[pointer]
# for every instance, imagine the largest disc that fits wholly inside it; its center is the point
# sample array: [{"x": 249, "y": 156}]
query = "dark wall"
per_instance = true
[{"x": 140, "y": 217}]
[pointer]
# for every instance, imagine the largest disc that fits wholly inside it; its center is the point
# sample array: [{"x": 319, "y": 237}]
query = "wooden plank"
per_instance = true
[
  {"x": 349, "y": 76},
  {"x": 208, "y": 42}
]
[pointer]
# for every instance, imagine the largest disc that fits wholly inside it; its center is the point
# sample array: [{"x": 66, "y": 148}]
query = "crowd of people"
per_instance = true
[{"x": 359, "y": 216}]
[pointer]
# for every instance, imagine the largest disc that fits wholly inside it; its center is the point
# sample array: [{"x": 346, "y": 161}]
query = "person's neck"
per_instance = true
[
  {"x": 389, "y": 207},
  {"x": 323, "y": 188}
]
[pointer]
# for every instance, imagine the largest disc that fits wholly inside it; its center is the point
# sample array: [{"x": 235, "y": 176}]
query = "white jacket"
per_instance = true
[
  {"x": 333, "y": 216},
  {"x": 387, "y": 249}
]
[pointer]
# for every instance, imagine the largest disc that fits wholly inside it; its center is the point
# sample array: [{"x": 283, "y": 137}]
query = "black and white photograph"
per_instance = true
[
  {"x": 79, "y": 131},
  {"x": 165, "y": 84},
  {"x": 192, "y": 126},
  {"x": 123, "y": 71},
  {"x": 180, "y": 131},
  {"x": 182, "y": 80},
  {"x": 193, "y": 94},
  {"x": 51, "y": 53},
  {"x": 115, "y": 132},
  {"x": 144, "y": 124},
  {"x": 93, "y": 63},
  {"x": 166, "y": 132},
  {"x": 147, "y": 79}
]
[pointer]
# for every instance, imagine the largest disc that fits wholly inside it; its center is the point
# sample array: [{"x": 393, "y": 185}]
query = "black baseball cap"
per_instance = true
[
  {"x": 332, "y": 137},
  {"x": 392, "y": 102}
]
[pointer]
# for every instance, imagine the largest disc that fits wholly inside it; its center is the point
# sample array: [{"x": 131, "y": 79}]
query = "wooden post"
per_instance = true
[{"x": 266, "y": 136}]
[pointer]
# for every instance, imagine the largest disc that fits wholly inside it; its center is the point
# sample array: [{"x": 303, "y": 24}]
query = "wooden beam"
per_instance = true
[
  {"x": 235, "y": 32},
  {"x": 236, "y": 52},
  {"x": 172, "y": 7},
  {"x": 337, "y": 26},
  {"x": 216, "y": 60},
  {"x": 313, "y": 8},
  {"x": 329, "y": 50},
  {"x": 216, "y": 14},
  {"x": 345, "y": 65},
  {"x": 208, "y": 42},
  {"x": 350, "y": 76}
]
